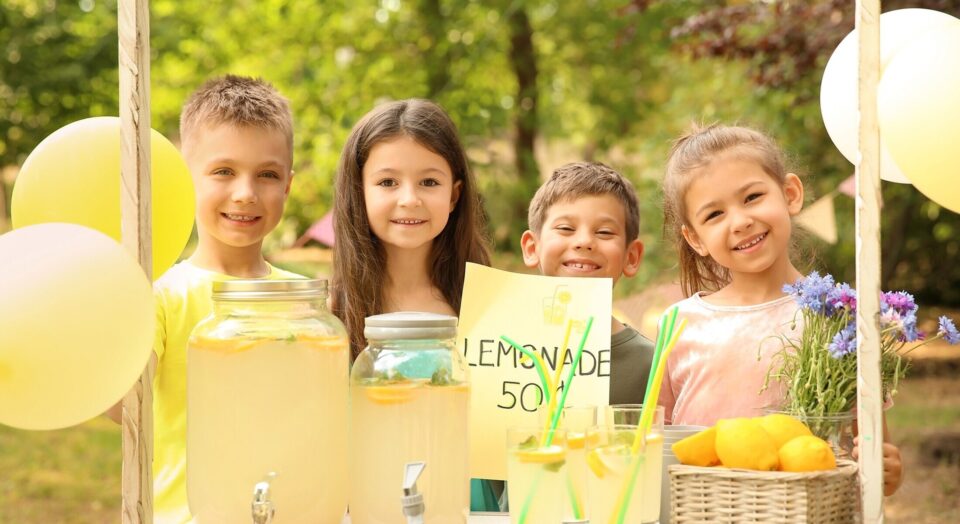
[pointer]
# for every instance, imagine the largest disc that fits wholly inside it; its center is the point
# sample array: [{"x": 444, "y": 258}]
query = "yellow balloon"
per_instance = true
[
  {"x": 74, "y": 176},
  {"x": 919, "y": 109},
  {"x": 838, "y": 88},
  {"x": 76, "y": 325}
]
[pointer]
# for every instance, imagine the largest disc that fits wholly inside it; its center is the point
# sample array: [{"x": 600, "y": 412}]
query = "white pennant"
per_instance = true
[{"x": 820, "y": 219}]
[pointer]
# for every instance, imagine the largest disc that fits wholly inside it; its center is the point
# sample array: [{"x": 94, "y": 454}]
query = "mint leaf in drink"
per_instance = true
[
  {"x": 441, "y": 377},
  {"x": 554, "y": 466},
  {"x": 530, "y": 443}
]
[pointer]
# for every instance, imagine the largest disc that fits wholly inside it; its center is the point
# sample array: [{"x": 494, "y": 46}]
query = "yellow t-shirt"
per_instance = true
[{"x": 182, "y": 296}]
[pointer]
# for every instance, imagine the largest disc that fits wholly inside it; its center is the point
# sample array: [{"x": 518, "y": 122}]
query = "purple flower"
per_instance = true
[
  {"x": 948, "y": 331},
  {"x": 900, "y": 301},
  {"x": 844, "y": 297},
  {"x": 844, "y": 342}
]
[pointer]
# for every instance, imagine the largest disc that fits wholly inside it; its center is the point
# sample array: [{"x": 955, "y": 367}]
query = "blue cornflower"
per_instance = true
[
  {"x": 844, "y": 342},
  {"x": 813, "y": 292},
  {"x": 792, "y": 289},
  {"x": 948, "y": 331},
  {"x": 909, "y": 331}
]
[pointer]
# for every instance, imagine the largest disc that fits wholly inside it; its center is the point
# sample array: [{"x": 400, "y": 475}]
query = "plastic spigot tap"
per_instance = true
[
  {"x": 262, "y": 509},
  {"x": 412, "y": 500}
]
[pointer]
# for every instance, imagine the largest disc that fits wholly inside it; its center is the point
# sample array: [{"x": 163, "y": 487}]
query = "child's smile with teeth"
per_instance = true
[
  {"x": 756, "y": 240},
  {"x": 408, "y": 221},
  {"x": 581, "y": 265},
  {"x": 240, "y": 218}
]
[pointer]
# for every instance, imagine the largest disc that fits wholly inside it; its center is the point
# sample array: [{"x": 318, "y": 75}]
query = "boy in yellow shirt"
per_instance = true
[{"x": 237, "y": 138}]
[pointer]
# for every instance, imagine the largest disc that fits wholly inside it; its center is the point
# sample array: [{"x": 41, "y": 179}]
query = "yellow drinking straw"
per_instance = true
[{"x": 552, "y": 405}]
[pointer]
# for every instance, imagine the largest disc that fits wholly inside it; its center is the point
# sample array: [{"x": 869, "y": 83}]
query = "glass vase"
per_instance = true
[{"x": 835, "y": 428}]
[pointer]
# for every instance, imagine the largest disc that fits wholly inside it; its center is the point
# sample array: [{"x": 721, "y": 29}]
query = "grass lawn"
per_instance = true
[{"x": 65, "y": 476}]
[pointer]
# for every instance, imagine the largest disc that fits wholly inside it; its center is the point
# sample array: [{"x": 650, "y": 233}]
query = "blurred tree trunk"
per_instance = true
[
  {"x": 896, "y": 234},
  {"x": 437, "y": 60},
  {"x": 524, "y": 63}
]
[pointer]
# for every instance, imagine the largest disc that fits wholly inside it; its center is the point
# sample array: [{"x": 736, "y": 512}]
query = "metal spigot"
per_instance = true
[
  {"x": 262, "y": 509},
  {"x": 412, "y": 500}
]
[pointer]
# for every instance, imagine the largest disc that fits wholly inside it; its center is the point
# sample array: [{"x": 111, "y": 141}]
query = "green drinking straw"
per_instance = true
[
  {"x": 556, "y": 418},
  {"x": 536, "y": 364},
  {"x": 666, "y": 326}
]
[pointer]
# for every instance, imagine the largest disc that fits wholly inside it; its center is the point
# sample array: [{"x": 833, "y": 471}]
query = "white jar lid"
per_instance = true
[{"x": 409, "y": 325}]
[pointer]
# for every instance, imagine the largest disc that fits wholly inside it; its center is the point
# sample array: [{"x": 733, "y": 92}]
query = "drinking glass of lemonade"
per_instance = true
[
  {"x": 536, "y": 474},
  {"x": 611, "y": 464},
  {"x": 576, "y": 420}
]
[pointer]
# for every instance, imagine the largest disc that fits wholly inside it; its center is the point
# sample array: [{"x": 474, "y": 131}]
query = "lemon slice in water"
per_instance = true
[{"x": 546, "y": 455}]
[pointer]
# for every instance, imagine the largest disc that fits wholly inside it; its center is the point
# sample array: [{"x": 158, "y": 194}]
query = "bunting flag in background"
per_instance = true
[
  {"x": 820, "y": 219},
  {"x": 849, "y": 186}
]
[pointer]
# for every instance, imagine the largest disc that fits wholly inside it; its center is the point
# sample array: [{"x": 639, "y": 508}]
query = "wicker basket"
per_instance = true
[{"x": 738, "y": 495}]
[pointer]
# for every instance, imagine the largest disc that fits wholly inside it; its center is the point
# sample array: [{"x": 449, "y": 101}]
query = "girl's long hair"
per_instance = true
[
  {"x": 690, "y": 153},
  {"x": 359, "y": 263}
]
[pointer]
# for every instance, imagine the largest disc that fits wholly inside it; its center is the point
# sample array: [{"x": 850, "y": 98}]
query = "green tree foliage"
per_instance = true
[
  {"x": 784, "y": 47},
  {"x": 531, "y": 84}
]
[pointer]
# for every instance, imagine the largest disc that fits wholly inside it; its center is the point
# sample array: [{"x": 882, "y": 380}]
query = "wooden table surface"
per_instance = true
[{"x": 476, "y": 518}]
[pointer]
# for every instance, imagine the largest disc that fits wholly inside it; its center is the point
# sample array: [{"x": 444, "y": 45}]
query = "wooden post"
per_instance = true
[
  {"x": 870, "y": 403},
  {"x": 133, "y": 22}
]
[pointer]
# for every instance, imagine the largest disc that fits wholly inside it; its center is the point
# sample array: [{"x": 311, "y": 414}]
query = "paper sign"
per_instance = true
[{"x": 533, "y": 311}]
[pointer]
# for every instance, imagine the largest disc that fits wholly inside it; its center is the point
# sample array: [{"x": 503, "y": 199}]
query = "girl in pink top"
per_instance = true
[{"x": 728, "y": 204}]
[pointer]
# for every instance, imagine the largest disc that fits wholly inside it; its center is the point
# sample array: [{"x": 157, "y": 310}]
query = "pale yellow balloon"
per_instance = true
[
  {"x": 838, "y": 88},
  {"x": 73, "y": 176},
  {"x": 76, "y": 325},
  {"x": 919, "y": 105}
]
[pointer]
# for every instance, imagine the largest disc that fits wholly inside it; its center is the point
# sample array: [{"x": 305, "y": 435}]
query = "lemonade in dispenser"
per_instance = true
[
  {"x": 267, "y": 401},
  {"x": 409, "y": 397}
]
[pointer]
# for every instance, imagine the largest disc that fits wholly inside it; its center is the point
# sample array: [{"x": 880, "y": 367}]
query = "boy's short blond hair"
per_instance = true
[
  {"x": 240, "y": 101},
  {"x": 581, "y": 179}
]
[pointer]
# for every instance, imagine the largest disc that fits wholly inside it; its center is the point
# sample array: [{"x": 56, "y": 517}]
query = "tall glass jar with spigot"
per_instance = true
[
  {"x": 409, "y": 397},
  {"x": 267, "y": 397}
]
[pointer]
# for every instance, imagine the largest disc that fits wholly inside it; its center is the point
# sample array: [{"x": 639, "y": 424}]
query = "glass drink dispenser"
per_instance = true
[
  {"x": 267, "y": 386},
  {"x": 409, "y": 396}
]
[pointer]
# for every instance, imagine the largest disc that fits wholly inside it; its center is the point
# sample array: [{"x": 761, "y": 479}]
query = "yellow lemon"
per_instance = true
[
  {"x": 743, "y": 443},
  {"x": 699, "y": 449},
  {"x": 807, "y": 453},
  {"x": 784, "y": 428},
  {"x": 546, "y": 455}
]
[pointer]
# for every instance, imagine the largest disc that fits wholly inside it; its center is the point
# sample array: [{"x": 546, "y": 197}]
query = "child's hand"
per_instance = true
[{"x": 892, "y": 466}]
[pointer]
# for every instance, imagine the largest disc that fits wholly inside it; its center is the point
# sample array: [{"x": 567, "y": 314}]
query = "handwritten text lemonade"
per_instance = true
[
  {"x": 529, "y": 395},
  {"x": 288, "y": 416}
]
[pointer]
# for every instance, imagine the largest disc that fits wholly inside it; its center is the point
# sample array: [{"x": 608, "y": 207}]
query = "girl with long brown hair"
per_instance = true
[{"x": 407, "y": 216}]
